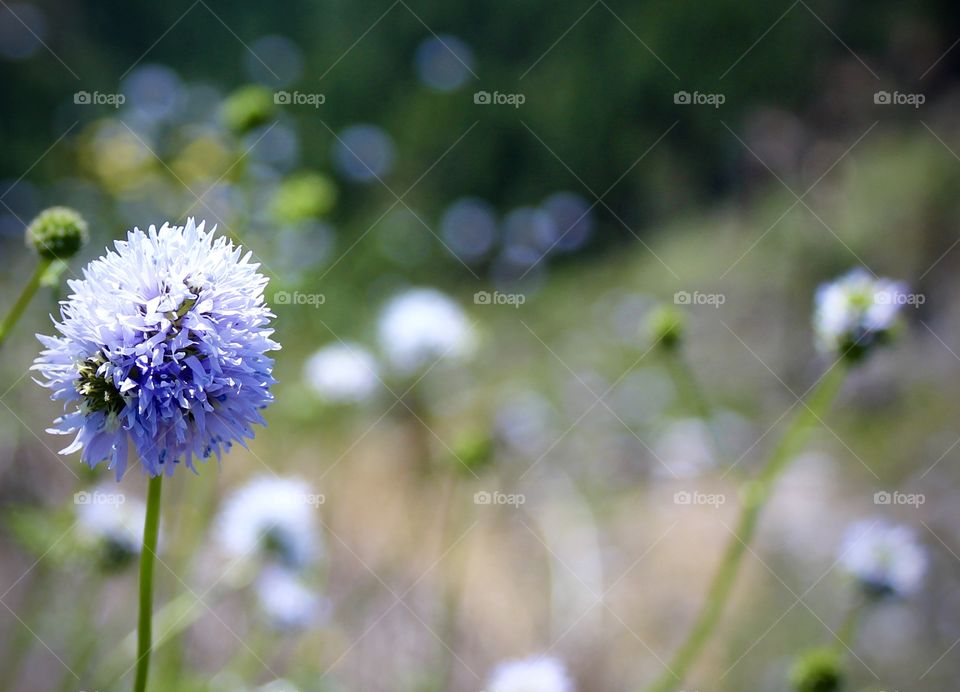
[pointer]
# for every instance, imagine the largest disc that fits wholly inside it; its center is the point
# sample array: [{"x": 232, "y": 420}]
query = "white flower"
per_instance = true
[
  {"x": 886, "y": 558},
  {"x": 856, "y": 311},
  {"x": 113, "y": 522},
  {"x": 270, "y": 515},
  {"x": 534, "y": 674},
  {"x": 343, "y": 373},
  {"x": 421, "y": 325},
  {"x": 287, "y": 603}
]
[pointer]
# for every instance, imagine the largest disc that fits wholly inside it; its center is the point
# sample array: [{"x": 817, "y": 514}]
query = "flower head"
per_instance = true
[
  {"x": 270, "y": 516},
  {"x": 885, "y": 558},
  {"x": 57, "y": 233},
  {"x": 422, "y": 325},
  {"x": 856, "y": 312},
  {"x": 342, "y": 373},
  {"x": 287, "y": 603},
  {"x": 818, "y": 670},
  {"x": 163, "y": 344},
  {"x": 534, "y": 674}
]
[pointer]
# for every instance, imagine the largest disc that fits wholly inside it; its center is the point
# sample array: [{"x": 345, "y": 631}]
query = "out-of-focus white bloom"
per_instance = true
[
  {"x": 112, "y": 521},
  {"x": 534, "y": 674},
  {"x": 287, "y": 603},
  {"x": 343, "y": 373},
  {"x": 684, "y": 448},
  {"x": 421, "y": 325},
  {"x": 885, "y": 558},
  {"x": 856, "y": 312},
  {"x": 271, "y": 516}
]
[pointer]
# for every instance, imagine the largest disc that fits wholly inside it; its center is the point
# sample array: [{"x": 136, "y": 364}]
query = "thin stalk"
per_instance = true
[
  {"x": 16, "y": 312},
  {"x": 689, "y": 389},
  {"x": 755, "y": 497},
  {"x": 151, "y": 529}
]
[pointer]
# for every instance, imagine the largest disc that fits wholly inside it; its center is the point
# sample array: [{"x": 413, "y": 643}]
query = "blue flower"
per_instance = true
[{"x": 163, "y": 345}]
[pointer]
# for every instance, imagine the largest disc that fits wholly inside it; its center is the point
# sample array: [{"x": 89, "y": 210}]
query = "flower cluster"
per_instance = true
[
  {"x": 534, "y": 674},
  {"x": 163, "y": 344},
  {"x": 856, "y": 312},
  {"x": 885, "y": 558}
]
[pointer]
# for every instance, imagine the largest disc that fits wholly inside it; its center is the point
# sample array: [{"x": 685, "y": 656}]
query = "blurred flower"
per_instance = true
[
  {"x": 57, "y": 233},
  {"x": 154, "y": 93},
  {"x": 817, "y": 670},
  {"x": 247, "y": 108},
  {"x": 113, "y": 522},
  {"x": 422, "y": 325},
  {"x": 885, "y": 558},
  {"x": 573, "y": 219},
  {"x": 272, "y": 516},
  {"x": 343, "y": 373},
  {"x": 303, "y": 196},
  {"x": 856, "y": 312},
  {"x": 444, "y": 63},
  {"x": 469, "y": 227},
  {"x": 163, "y": 343},
  {"x": 23, "y": 30},
  {"x": 287, "y": 603},
  {"x": 534, "y": 674},
  {"x": 274, "y": 60},
  {"x": 363, "y": 153}
]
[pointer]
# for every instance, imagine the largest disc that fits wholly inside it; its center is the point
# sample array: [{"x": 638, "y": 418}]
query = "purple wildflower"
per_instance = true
[{"x": 162, "y": 344}]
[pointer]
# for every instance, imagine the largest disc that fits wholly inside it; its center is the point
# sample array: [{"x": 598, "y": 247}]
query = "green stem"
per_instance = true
[
  {"x": 16, "y": 312},
  {"x": 151, "y": 528},
  {"x": 689, "y": 389},
  {"x": 755, "y": 497}
]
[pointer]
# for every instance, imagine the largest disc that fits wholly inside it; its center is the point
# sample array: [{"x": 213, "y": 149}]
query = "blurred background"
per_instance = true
[{"x": 496, "y": 461}]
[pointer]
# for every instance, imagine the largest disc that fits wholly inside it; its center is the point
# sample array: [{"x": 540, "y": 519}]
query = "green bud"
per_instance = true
[
  {"x": 57, "y": 233},
  {"x": 303, "y": 196},
  {"x": 248, "y": 108},
  {"x": 665, "y": 326},
  {"x": 472, "y": 450},
  {"x": 817, "y": 670}
]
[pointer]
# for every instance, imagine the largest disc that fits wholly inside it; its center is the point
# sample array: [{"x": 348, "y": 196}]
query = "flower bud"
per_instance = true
[
  {"x": 665, "y": 326},
  {"x": 57, "y": 233},
  {"x": 817, "y": 670},
  {"x": 248, "y": 108}
]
